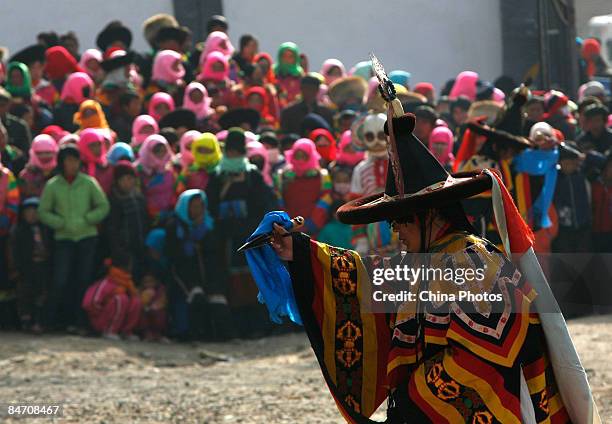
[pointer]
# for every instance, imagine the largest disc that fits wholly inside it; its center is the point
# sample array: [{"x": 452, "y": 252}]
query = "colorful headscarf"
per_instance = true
[
  {"x": 363, "y": 70},
  {"x": 207, "y": 161},
  {"x": 150, "y": 163},
  {"x": 445, "y": 136},
  {"x": 207, "y": 72},
  {"x": 465, "y": 85},
  {"x": 255, "y": 148},
  {"x": 329, "y": 152},
  {"x": 25, "y": 89},
  {"x": 282, "y": 69},
  {"x": 194, "y": 233},
  {"x": 185, "y": 146},
  {"x": 400, "y": 77},
  {"x": 59, "y": 63},
  {"x": 75, "y": 86},
  {"x": 498, "y": 95},
  {"x": 43, "y": 143},
  {"x": 89, "y": 136},
  {"x": 264, "y": 112},
  {"x": 300, "y": 167},
  {"x": 554, "y": 102},
  {"x": 88, "y": 55},
  {"x": 202, "y": 109},
  {"x": 425, "y": 88},
  {"x": 591, "y": 49},
  {"x": 213, "y": 44},
  {"x": 160, "y": 98},
  {"x": 139, "y": 122},
  {"x": 120, "y": 151},
  {"x": 327, "y": 65},
  {"x": 345, "y": 157},
  {"x": 163, "y": 67},
  {"x": 98, "y": 120},
  {"x": 269, "y": 77},
  {"x": 55, "y": 131}
]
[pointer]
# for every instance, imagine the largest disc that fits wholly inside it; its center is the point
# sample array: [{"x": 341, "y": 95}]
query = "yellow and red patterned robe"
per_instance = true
[{"x": 444, "y": 367}]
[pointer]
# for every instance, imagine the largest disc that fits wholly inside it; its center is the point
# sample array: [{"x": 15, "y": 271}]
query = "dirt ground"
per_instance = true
[{"x": 274, "y": 380}]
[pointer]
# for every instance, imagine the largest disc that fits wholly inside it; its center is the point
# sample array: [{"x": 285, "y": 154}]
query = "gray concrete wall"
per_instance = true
[
  {"x": 21, "y": 20},
  {"x": 586, "y": 9},
  {"x": 434, "y": 40}
]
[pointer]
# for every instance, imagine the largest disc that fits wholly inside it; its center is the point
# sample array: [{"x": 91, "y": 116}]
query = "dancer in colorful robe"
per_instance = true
[{"x": 509, "y": 361}]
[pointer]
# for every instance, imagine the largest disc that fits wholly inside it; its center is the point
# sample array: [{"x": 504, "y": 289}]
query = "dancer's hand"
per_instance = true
[{"x": 282, "y": 243}]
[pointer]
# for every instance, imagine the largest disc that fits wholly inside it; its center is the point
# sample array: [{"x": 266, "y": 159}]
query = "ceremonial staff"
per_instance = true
[{"x": 394, "y": 110}]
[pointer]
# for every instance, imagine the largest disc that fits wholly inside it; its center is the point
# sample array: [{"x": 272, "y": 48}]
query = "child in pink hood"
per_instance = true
[
  {"x": 90, "y": 62},
  {"x": 332, "y": 70},
  {"x": 92, "y": 147},
  {"x": 156, "y": 177},
  {"x": 168, "y": 71},
  {"x": 143, "y": 126},
  {"x": 160, "y": 105},
  {"x": 217, "y": 41},
  {"x": 196, "y": 99},
  {"x": 441, "y": 145},
  {"x": 465, "y": 85},
  {"x": 258, "y": 156},
  {"x": 77, "y": 88},
  {"x": 113, "y": 304},
  {"x": 347, "y": 155},
  {"x": 214, "y": 74},
  {"x": 303, "y": 187},
  {"x": 40, "y": 167}
]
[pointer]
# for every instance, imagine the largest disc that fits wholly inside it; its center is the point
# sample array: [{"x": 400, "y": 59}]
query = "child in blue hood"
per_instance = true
[{"x": 198, "y": 303}]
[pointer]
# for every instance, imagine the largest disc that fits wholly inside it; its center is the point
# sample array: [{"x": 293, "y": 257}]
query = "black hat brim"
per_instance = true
[
  {"x": 500, "y": 136},
  {"x": 178, "y": 118},
  {"x": 378, "y": 207},
  {"x": 29, "y": 55},
  {"x": 236, "y": 117},
  {"x": 117, "y": 62},
  {"x": 177, "y": 34}
]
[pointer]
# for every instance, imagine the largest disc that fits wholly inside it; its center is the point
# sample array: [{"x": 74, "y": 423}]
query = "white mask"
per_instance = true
[{"x": 373, "y": 134}]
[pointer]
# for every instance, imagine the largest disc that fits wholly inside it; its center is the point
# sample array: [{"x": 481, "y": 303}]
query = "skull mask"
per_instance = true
[{"x": 373, "y": 134}]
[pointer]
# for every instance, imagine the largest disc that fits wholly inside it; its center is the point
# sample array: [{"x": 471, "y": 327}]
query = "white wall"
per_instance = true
[
  {"x": 21, "y": 20},
  {"x": 432, "y": 39}
]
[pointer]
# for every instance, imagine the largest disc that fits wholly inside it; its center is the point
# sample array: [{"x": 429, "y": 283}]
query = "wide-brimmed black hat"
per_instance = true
[
  {"x": 427, "y": 185},
  {"x": 511, "y": 119},
  {"x": 29, "y": 55},
  {"x": 180, "y": 117},
  {"x": 118, "y": 61},
  {"x": 508, "y": 127},
  {"x": 499, "y": 136},
  {"x": 114, "y": 31},
  {"x": 178, "y": 34},
  {"x": 239, "y": 116}
]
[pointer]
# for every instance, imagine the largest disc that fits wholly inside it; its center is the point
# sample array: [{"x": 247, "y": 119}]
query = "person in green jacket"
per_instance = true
[{"x": 72, "y": 204}]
